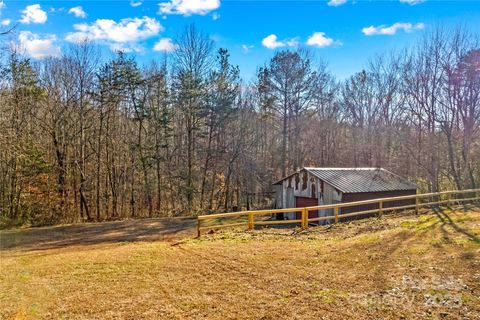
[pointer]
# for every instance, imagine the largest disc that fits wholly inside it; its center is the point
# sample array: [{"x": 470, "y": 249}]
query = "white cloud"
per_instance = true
[
  {"x": 78, "y": 12},
  {"x": 272, "y": 42},
  {"x": 165, "y": 45},
  {"x": 2, "y": 5},
  {"x": 38, "y": 47},
  {"x": 391, "y": 30},
  {"x": 215, "y": 16},
  {"x": 5, "y": 22},
  {"x": 246, "y": 48},
  {"x": 188, "y": 7},
  {"x": 129, "y": 30},
  {"x": 319, "y": 40},
  {"x": 412, "y": 2},
  {"x": 135, "y": 4},
  {"x": 336, "y": 3},
  {"x": 33, "y": 14}
]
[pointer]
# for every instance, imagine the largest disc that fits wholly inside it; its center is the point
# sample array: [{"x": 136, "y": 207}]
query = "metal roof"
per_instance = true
[{"x": 357, "y": 180}]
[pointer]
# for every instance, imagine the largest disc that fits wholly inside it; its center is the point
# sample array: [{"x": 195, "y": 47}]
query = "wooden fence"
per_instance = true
[{"x": 432, "y": 200}]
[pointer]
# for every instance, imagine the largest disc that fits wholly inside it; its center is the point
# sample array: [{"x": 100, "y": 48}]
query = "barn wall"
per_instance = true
[
  {"x": 351, "y": 197},
  {"x": 306, "y": 185},
  {"x": 302, "y": 184},
  {"x": 278, "y": 196},
  {"x": 329, "y": 195}
]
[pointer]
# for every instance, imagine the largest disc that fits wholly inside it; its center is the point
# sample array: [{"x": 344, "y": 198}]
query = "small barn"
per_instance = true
[{"x": 320, "y": 186}]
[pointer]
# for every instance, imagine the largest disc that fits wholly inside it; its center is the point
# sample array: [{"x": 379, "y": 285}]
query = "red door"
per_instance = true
[{"x": 302, "y": 202}]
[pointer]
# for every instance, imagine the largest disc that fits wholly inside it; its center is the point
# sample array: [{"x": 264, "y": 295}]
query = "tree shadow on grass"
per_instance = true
[
  {"x": 85, "y": 234},
  {"x": 446, "y": 220},
  {"x": 440, "y": 220}
]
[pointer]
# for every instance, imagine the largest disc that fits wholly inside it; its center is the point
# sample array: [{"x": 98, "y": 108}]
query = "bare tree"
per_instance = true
[
  {"x": 84, "y": 140},
  {"x": 192, "y": 63}
]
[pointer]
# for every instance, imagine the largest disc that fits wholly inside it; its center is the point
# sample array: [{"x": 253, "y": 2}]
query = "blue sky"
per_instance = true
[{"x": 343, "y": 33}]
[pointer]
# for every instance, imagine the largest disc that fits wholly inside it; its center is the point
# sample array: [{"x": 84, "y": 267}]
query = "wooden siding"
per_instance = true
[
  {"x": 302, "y": 202},
  {"x": 352, "y": 197},
  {"x": 302, "y": 184}
]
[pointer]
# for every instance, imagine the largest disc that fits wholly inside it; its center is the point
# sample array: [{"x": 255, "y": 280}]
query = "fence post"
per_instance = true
[
  {"x": 417, "y": 204},
  {"x": 250, "y": 221},
  {"x": 304, "y": 218},
  {"x": 336, "y": 214},
  {"x": 198, "y": 227},
  {"x": 380, "y": 208}
]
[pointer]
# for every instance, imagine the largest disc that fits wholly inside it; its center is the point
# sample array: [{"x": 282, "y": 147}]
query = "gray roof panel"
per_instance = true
[{"x": 358, "y": 180}]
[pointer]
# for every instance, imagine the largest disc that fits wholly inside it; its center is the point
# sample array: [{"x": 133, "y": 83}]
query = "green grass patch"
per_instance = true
[
  {"x": 368, "y": 238},
  {"x": 330, "y": 295}
]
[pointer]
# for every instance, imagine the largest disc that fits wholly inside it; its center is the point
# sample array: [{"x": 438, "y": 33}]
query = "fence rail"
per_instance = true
[{"x": 433, "y": 199}]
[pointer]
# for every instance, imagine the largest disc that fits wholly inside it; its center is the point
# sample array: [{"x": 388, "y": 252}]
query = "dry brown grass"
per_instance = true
[{"x": 398, "y": 267}]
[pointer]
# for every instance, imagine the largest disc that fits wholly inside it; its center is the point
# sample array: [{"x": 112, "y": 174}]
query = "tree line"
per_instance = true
[{"x": 86, "y": 138}]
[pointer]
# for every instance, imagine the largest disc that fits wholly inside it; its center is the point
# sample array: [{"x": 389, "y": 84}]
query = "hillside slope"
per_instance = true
[{"x": 395, "y": 267}]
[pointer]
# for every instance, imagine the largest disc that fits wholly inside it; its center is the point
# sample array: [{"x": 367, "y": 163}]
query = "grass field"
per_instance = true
[{"x": 395, "y": 267}]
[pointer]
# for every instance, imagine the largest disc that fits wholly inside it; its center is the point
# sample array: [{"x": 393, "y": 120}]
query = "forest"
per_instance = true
[{"x": 89, "y": 138}]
